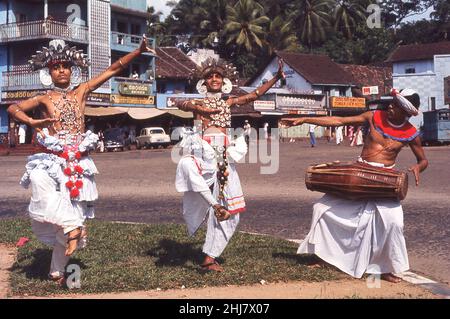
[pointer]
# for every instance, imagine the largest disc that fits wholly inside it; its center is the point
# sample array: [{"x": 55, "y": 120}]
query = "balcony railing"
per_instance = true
[
  {"x": 43, "y": 29},
  {"x": 119, "y": 38},
  {"x": 22, "y": 78}
]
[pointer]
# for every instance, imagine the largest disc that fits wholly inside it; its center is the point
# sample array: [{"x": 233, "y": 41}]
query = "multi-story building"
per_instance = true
[
  {"x": 105, "y": 29},
  {"x": 424, "y": 68}
]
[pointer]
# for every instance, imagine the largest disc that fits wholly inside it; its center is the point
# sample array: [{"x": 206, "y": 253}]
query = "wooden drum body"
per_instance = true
[{"x": 357, "y": 181}]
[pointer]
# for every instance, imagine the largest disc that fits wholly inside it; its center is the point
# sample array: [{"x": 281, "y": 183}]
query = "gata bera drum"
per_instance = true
[{"x": 357, "y": 181}]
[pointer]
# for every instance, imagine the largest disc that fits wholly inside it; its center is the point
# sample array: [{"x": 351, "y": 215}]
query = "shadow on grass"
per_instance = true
[
  {"x": 301, "y": 259},
  {"x": 170, "y": 253},
  {"x": 36, "y": 265}
]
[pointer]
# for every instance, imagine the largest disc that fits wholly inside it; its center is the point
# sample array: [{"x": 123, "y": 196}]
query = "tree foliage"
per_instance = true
[{"x": 250, "y": 31}]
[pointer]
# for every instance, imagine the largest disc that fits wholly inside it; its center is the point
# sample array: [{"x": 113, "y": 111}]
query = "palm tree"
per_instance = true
[
  {"x": 312, "y": 18},
  {"x": 348, "y": 14},
  {"x": 281, "y": 36},
  {"x": 213, "y": 17},
  {"x": 245, "y": 25}
]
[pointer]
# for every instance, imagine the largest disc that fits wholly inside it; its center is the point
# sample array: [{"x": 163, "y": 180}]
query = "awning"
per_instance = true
[
  {"x": 104, "y": 111},
  {"x": 273, "y": 113},
  {"x": 143, "y": 113},
  {"x": 180, "y": 113}
]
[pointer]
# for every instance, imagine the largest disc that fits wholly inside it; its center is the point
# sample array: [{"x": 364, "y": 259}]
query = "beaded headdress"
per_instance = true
[
  {"x": 220, "y": 66},
  {"x": 58, "y": 52}
]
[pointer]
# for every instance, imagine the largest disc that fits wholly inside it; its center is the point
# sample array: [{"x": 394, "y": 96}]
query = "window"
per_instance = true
[
  {"x": 410, "y": 69},
  {"x": 135, "y": 29},
  {"x": 342, "y": 92},
  {"x": 433, "y": 103},
  {"x": 444, "y": 116},
  {"x": 122, "y": 27}
]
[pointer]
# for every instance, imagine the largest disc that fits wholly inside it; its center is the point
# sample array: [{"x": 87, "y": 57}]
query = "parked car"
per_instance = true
[
  {"x": 152, "y": 137},
  {"x": 116, "y": 139},
  {"x": 177, "y": 131}
]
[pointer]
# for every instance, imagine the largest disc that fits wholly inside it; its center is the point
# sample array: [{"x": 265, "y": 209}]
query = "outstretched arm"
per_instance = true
[
  {"x": 422, "y": 162},
  {"x": 117, "y": 66},
  {"x": 331, "y": 120},
  {"x": 196, "y": 106},
  {"x": 17, "y": 112},
  {"x": 247, "y": 98}
]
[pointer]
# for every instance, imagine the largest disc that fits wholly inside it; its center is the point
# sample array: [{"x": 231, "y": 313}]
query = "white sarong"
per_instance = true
[
  {"x": 358, "y": 236},
  {"x": 50, "y": 201},
  {"x": 197, "y": 173}
]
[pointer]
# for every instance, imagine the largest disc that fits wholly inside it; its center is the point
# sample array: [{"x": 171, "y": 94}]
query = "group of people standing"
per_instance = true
[{"x": 356, "y": 237}]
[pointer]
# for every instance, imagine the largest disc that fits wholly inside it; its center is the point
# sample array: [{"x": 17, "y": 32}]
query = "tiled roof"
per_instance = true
[
  {"x": 316, "y": 68},
  {"x": 364, "y": 75},
  {"x": 422, "y": 51},
  {"x": 172, "y": 63}
]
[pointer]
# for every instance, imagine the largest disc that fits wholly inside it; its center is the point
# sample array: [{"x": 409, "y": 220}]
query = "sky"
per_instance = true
[{"x": 160, "y": 5}]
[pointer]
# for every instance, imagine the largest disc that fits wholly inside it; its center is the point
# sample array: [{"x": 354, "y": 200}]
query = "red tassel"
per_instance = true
[
  {"x": 74, "y": 192},
  {"x": 70, "y": 185},
  {"x": 79, "y": 183},
  {"x": 78, "y": 155},
  {"x": 68, "y": 171},
  {"x": 65, "y": 155},
  {"x": 79, "y": 169}
]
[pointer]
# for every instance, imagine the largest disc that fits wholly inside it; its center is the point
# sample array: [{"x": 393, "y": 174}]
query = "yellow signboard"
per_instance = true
[
  {"x": 120, "y": 99},
  {"x": 10, "y": 96},
  {"x": 351, "y": 102}
]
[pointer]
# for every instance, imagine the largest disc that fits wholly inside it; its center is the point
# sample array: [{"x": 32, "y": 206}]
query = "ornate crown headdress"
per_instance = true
[
  {"x": 57, "y": 52},
  {"x": 211, "y": 65}
]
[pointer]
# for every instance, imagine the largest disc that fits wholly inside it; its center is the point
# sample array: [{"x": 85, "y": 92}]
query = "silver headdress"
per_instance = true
[{"x": 58, "y": 52}]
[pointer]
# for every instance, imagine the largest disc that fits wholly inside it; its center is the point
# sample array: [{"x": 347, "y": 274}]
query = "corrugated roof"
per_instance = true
[{"x": 422, "y": 51}]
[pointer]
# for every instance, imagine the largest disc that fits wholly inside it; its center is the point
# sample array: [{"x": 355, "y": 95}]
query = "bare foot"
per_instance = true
[
  {"x": 211, "y": 264},
  {"x": 317, "y": 264},
  {"x": 60, "y": 280},
  {"x": 72, "y": 241},
  {"x": 391, "y": 278}
]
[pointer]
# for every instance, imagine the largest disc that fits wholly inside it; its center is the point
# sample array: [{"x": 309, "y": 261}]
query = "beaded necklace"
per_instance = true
[
  {"x": 222, "y": 119},
  {"x": 70, "y": 117}
]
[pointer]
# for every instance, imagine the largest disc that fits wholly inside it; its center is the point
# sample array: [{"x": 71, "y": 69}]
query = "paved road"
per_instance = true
[{"x": 138, "y": 186}]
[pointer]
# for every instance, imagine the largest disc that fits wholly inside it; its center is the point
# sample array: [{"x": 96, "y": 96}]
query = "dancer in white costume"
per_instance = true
[
  {"x": 359, "y": 236},
  {"x": 61, "y": 175},
  {"x": 210, "y": 182}
]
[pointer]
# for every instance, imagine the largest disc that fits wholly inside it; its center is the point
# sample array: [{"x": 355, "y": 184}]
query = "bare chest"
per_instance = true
[{"x": 68, "y": 109}]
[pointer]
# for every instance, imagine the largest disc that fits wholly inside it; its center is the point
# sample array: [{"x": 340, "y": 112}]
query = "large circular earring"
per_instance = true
[
  {"x": 201, "y": 87},
  {"x": 227, "y": 86},
  {"x": 45, "y": 77},
  {"x": 76, "y": 76}
]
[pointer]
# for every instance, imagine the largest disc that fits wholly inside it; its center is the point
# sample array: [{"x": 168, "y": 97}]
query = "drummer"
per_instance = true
[{"x": 366, "y": 236}]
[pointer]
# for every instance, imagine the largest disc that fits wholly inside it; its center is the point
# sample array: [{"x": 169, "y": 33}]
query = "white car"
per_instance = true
[{"x": 152, "y": 137}]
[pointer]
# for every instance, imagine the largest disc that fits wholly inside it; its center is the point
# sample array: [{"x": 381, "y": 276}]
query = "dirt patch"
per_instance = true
[
  {"x": 7, "y": 257},
  {"x": 348, "y": 288}
]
